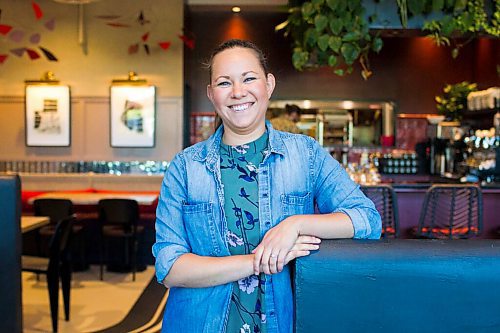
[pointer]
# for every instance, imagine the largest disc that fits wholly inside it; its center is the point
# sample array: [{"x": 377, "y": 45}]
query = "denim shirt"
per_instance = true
[{"x": 296, "y": 176}]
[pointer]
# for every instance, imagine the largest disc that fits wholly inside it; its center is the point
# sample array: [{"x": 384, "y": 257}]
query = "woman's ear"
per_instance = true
[
  {"x": 271, "y": 83},
  {"x": 209, "y": 93}
]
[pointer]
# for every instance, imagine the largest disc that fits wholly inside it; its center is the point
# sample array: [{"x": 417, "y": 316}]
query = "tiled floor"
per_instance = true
[{"x": 95, "y": 304}]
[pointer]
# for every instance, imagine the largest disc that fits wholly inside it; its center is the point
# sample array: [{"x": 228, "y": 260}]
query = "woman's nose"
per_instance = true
[{"x": 239, "y": 91}]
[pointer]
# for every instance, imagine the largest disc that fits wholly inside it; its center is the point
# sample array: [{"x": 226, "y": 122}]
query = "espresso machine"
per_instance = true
[{"x": 445, "y": 149}]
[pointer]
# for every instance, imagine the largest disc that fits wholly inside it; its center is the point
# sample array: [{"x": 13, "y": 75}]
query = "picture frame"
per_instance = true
[
  {"x": 47, "y": 115},
  {"x": 132, "y": 116}
]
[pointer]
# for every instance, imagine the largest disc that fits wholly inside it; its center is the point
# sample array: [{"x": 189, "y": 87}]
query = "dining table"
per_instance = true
[{"x": 29, "y": 223}]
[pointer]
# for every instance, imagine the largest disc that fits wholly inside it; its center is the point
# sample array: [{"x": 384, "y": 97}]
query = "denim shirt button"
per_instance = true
[
  {"x": 264, "y": 172},
  {"x": 271, "y": 313},
  {"x": 264, "y": 195},
  {"x": 268, "y": 223}
]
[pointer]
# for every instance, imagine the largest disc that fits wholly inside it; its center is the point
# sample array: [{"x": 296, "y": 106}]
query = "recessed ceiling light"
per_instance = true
[{"x": 236, "y": 9}]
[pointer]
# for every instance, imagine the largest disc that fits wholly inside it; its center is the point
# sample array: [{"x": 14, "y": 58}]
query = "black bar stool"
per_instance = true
[{"x": 385, "y": 200}]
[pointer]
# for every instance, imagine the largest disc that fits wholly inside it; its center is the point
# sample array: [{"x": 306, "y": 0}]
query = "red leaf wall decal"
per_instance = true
[{"x": 37, "y": 10}]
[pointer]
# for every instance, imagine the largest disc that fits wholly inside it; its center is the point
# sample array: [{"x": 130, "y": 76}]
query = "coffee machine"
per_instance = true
[{"x": 445, "y": 149}]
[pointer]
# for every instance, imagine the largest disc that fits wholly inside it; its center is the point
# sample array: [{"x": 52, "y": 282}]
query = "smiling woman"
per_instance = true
[{"x": 235, "y": 209}]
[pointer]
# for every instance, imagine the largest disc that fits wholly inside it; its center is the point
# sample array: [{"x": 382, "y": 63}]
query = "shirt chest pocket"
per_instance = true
[
  {"x": 201, "y": 229},
  {"x": 295, "y": 204}
]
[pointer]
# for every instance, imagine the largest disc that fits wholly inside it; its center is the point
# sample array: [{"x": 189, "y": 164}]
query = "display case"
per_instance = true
[{"x": 334, "y": 129}]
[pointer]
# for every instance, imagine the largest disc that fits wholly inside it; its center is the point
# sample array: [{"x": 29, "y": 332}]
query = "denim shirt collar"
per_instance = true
[{"x": 209, "y": 152}]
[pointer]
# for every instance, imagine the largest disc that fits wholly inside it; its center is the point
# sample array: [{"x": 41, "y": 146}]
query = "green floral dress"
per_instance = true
[{"x": 239, "y": 167}]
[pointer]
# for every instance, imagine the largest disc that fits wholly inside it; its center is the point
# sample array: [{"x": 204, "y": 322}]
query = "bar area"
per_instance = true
[{"x": 98, "y": 97}]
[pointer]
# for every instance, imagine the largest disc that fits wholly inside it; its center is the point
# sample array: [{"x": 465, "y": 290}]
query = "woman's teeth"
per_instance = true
[{"x": 240, "y": 107}]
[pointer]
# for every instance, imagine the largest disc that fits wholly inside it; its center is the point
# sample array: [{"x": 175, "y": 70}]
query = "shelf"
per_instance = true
[{"x": 479, "y": 113}]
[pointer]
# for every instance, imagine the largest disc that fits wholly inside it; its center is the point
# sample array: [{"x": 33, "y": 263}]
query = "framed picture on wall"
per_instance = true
[
  {"x": 48, "y": 115},
  {"x": 132, "y": 116}
]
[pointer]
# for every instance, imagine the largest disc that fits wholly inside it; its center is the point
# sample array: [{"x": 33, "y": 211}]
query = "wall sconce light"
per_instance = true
[
  {"x": 132, "y": 79},
  {"x": 47, "y": 78}
]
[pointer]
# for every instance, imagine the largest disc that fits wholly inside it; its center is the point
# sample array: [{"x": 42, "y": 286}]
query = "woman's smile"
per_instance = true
[{"x": 240, "y": 107}]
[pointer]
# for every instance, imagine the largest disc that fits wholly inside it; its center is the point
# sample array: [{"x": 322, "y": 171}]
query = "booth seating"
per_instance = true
[
  {"x": 397, "y": 285},
  {"x": 10, "y": 258}
]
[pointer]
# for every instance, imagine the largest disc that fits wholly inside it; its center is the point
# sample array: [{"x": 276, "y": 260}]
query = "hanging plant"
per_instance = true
[
  {"x": 462, "y": 18},
  {"x": 331, "y": 33},
  {"x": 336, "y": 33}
]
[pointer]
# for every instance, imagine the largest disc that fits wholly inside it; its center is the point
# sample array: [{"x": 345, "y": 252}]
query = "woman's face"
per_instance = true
[{"x": 240, "y": 92}]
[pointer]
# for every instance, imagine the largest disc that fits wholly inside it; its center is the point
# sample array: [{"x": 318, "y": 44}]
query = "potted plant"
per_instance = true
[{"x": 454, "y": 100}]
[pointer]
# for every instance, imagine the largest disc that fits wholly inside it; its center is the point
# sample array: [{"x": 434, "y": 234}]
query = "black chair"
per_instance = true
[
  {"x": 56, "y": 210},
  {"x": 119, "y": 220},
  {"x": 451, "y": 212},
  {"x": 57, "y": 268},
  {"x": 385, "y": 200}
]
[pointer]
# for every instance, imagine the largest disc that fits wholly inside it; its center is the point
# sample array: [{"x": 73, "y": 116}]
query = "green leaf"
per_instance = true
[
  {"x": 323, "y": 42},
  {"x": 437, "y": 5},
  {"x": 299, "y": 58},
  {"x": 349, "y": 52},
  {"x": 351, "y": 36},
  {"x": 336, "y": 25},
  {"x": 307, "y": 10},
  {"x": 467, "y": 20},
  {"x": 377, "y": 44},
  {"x": 454, "y": 53},
  {"x": 311, "y": 37},
  {"x": 416, "y": 7},
  {"x": 353, "y": 5},
  {"x": 339, "y": 72},
  {"x": 449, "y": 4},
  {"x": 342, "y": 6},
  {"x": 459, "y": 5},
  {"x": 332, "y": 4},
  {"x": 347, "y": 21},
  {"x": 335, "y": 43},
  {"x": 320, "y": 22},
  {"x": 447, "y": 25},
  {"x": 317, "y": 2},
  {"x": 332, "y": 61},
  {"x": 349, "y": 70}
]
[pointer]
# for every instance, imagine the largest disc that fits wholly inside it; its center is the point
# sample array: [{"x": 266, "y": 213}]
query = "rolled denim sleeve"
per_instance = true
[
  {"x": 171, "y": 239},
  {"x": 336, "y": 192}
]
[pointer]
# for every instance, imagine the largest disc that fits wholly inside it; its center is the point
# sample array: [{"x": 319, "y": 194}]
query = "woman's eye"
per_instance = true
[
  {"x": 248, "y": 79},
  {"x": 223, "y": 84}
]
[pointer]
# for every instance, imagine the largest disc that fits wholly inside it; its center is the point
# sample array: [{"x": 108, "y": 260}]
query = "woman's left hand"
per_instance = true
[{"x": 271, "y": 253}]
